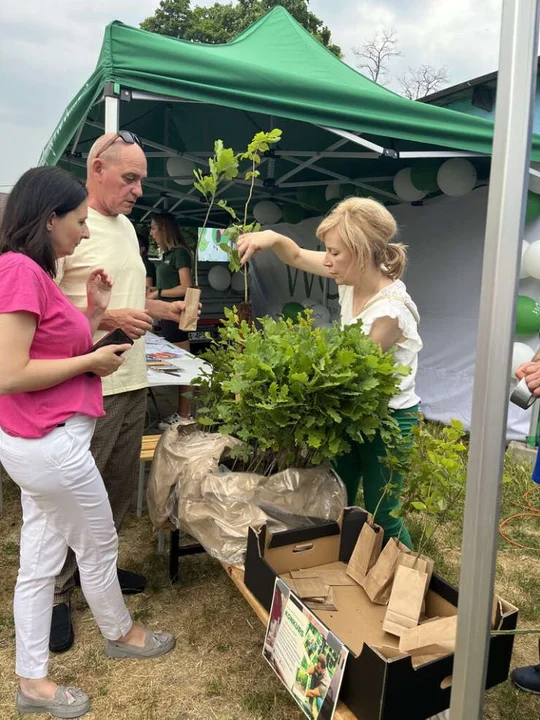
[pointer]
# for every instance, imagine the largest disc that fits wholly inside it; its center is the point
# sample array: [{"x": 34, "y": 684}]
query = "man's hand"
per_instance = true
[
  {"x": 531, "y": 372},
  {"x": 176, "y": 309},
  {"x": 135, "y": 323},
  {"x": 162, "y": 310}
]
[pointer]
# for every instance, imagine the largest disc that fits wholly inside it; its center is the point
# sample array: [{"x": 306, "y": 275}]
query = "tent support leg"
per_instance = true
[{"x": 504, "y": 230}]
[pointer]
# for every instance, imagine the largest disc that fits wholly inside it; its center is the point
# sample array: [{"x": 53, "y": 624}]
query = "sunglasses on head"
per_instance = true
[{"x": 128, "y": 137}]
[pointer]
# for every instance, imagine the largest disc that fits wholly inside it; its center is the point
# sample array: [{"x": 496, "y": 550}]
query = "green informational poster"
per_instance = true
[{"x": 305, "y": 655}]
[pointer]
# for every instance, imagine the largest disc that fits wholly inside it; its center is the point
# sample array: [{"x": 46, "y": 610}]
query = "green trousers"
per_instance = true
[{"x": 363, "y": 463}]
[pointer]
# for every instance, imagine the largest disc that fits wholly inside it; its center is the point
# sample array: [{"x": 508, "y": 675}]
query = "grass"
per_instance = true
[{"x": 217, "y": 671}]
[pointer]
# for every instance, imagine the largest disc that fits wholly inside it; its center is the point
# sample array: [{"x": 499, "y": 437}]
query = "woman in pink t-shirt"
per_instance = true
[{"x": 50, "y": 396}]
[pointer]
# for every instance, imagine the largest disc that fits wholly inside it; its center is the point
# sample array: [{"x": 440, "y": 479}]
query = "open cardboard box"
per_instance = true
[{"x": 380, "y": 683}]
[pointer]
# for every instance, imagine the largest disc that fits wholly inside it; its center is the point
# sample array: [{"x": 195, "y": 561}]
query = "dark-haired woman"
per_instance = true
[
  {"x": 173, "y": 279},
  {"x": 50, "y": 395}
]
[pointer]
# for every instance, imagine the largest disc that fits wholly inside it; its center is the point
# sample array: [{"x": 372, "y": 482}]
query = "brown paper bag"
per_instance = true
[
  {"x": 190, "y": 316},
  {"x": 406, "y": 599},
  {"x": 366, "y": 551},
  {"x": 409, "y": 559},
  {"x": 430, "y": 641},
  {"x": 378, "y": 581}
]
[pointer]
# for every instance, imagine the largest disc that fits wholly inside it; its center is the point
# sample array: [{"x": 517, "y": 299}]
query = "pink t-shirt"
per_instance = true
[{"x": 62, "y": 331}]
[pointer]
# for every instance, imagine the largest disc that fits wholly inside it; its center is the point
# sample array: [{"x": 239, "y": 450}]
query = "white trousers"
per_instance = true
[{"x": 64, "y": 504}]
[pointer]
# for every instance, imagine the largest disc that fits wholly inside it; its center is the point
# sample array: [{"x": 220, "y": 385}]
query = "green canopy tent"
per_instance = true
[{"x": 338, "y": 126}]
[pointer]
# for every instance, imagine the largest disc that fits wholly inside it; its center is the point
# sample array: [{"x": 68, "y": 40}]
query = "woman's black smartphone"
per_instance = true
[{"x": 115, "y": 337}]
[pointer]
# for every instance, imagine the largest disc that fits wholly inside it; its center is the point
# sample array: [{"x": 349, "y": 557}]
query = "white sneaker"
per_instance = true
[{"x": 173, "y": 419}]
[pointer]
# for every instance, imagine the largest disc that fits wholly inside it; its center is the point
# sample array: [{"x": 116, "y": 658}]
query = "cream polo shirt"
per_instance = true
[{"x": 112, "y": 246}]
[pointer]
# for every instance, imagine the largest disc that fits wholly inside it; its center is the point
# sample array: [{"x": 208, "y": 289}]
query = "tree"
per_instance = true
[
  {"x": 222, "y": 22},
  {"x": 419, "y": 82},
  {"x": 376, "y": 53}
]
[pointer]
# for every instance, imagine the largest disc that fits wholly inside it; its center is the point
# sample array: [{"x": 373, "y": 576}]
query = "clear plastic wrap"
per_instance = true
[{"x": 190, "y": 486}]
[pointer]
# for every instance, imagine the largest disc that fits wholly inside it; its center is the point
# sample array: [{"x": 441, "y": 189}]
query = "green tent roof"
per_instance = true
[{"x": 182, "y": 96}]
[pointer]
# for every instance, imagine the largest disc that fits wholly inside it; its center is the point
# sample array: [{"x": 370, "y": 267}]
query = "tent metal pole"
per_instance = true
[
  {"x": 504, "y": 228},
  {"x": 112, "y": 114}
]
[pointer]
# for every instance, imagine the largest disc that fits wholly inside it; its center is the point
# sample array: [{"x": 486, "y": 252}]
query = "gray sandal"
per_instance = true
[
  {"x": 61, "y": 706},
  {"x": 155, "y": 644}
]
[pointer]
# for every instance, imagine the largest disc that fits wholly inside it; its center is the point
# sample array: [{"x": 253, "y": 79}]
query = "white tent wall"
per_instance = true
[{"x": 445, "y": 239}]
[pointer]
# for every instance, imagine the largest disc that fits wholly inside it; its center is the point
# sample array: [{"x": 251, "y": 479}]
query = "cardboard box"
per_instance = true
[{"x": 380, "y": 683}]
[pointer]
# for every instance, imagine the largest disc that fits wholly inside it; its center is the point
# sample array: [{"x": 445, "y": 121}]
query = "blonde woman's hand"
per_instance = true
[
  {"x": 251, "y": 243},
  {"x": 105, "y": 361}
]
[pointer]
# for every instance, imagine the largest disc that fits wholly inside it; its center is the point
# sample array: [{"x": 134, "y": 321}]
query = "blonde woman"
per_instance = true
[
  {"x": 173, "y": 278},
  {"x": 367, "y": 266}
]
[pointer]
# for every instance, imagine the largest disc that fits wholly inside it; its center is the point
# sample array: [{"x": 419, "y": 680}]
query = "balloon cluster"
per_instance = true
[
  {"x": 455, "y": 177},
  {"x": 527, "y": 309}
]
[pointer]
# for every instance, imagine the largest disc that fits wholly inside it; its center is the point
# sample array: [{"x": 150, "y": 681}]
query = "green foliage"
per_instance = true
[
  {"x": 434, "y": 471},
  {"x": 222, "y": 22},
  {"x": 293, "y": 393}
]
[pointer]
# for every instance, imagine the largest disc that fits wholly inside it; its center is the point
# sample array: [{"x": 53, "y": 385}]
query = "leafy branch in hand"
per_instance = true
[{"x": 222, "y": 165}]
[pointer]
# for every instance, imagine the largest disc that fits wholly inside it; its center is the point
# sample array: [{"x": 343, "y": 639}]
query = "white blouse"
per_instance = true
[{"x": 392, "y": 301}]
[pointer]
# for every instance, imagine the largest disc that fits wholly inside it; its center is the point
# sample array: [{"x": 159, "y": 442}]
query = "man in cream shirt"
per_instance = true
[{"x": 116, "y": 168}]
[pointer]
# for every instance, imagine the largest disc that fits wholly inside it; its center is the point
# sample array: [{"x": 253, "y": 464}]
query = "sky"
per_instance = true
[{"x": 49, "y": 48}]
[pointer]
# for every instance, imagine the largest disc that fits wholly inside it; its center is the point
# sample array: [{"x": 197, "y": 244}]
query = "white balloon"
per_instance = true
[
  {"x": 521, "y": 353},
  {"x": 321, "y": 315},
  {"x": 456, "y": 177},
  {"x": 333, "y": 192},
  {"x": 404, "y": 188},
  {"x": 531, "y": 260},
  {"x": 237, "y": 282},
  {"x": 267, "y": 212},
  {"x": 182, "y": 168},
  {"x": 523, "y": 272},
  {"x": 219, "y": 278}
]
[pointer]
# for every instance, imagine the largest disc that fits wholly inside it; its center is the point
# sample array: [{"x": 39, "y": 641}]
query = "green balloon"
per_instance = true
[
  {"x": 350, "y": 190},
  {"x": 424, "y": 177},
  {"x": 533, "y": 207},
  {"x": 527, "y": 316},
  {"x": 313, "y": 196},
  {"x": 292, "y": 213},
  {"x": 292, "y": 310}
]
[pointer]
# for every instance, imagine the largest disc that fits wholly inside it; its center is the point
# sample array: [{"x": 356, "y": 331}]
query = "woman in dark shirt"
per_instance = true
[{"x": 173, "y": 278}]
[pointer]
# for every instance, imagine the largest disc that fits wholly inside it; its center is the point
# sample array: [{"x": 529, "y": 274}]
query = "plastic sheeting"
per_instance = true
[{"x": 190, "y": 486}]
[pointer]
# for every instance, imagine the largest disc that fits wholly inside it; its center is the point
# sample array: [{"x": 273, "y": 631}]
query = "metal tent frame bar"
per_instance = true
[{"x": 300, "y": 160}]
